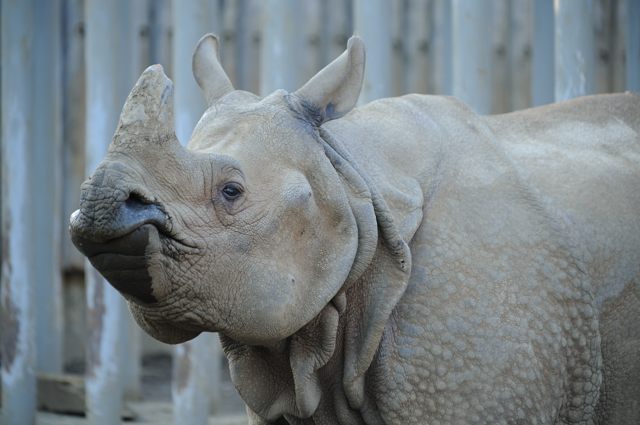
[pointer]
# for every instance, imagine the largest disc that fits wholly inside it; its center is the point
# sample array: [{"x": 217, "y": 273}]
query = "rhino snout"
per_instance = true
[{"x": 116, "y": 238}]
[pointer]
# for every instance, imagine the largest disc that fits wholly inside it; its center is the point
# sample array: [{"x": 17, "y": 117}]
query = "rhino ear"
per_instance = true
[
  {"x": 335, "y": 89},
  {"x": 207, "y": 70}
]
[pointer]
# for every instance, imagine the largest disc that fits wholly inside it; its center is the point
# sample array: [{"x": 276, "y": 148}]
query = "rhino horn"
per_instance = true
[
  {"x": 208, "y": 71},
  {"x": 148, "y": 111}
]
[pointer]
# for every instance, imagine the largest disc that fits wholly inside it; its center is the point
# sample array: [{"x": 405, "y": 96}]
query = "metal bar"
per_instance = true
[
  {"x": 73, "y": 118},
  {"x": 196, "y": 383},
  {"x": 282, "y": 46},
  {"x": 108, "y": 78},
  {"x": 372, "y": 22},
  {"x": 416, "y": 33},
  {"x": 131, "y": 360},
  {"x": 519, "y": 57},
  {"x": 574, "y": 49},
  {"x": 633, "y": 45},
  {"x": 542, "y": 81},
  {"x": 440, "y": 53},
  {"x": 18, "y": 324},
  {"x": 472, "y": 53},
  {"x": 46, "y": 156}
]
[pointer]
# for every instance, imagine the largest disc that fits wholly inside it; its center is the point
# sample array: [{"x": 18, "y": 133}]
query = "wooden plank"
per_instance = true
[
  {"x": 472, "y": 53},
  {"x": 65, "y": 393},
  {"x": 574, "y": 49},
  {"x": 18, "y": 318},
  {"x": 372, "y": 22}
]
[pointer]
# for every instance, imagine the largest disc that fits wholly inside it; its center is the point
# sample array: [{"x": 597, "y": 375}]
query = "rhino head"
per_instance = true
[{"x": 248, "y": 231}]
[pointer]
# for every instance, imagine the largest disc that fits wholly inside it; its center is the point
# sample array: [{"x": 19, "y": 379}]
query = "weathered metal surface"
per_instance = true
[
  {"x": 472, "y": 53},
  {"x": 196, "y": 384},
  {"x": 574, "y": 49},
  {"x": 415, "y": 30},
  {"x": 73, "y": 123},
  {"x": 196, "y": 376},
  {"x": 282, "y": 54},
  {"x": 440, "y": 52},
  {"x": 372, "y": 24},
  {"x": 633, "y": 45},
  {"x": 108, "y": 72},
  {"x": 519, "y": 54},
  {"x": 46, "y": 184},
  {"x": 17, "y": 298},
  {"x": 542, "y": 87}
]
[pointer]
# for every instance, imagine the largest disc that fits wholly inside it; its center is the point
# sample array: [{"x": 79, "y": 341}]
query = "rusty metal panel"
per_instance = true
[{"x": 18, "y": 315}]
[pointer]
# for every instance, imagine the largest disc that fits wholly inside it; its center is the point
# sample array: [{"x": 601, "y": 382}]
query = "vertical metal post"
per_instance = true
[
  {"x": 196, "y": 383},
  {"x": 441, "y": 42},
  {"x": 415, "y": 32},
  {"x": 372, "y": 22},
  {"x": 242, "y": 38},
  {"x": 472, "y": 53},
  {"x": 18, "y": 315},
  {"x": 519, "y": 57},
  {"x": 542, "y": 81},
  {"x": 633, "y": 45},
  {"x": 108, "y": 78},
  {"x": 282, "y": 46},
  {"x": 132, "y": 350},
  {"x": 46, "y": 175},
  {"x": 574, "y": 49}
]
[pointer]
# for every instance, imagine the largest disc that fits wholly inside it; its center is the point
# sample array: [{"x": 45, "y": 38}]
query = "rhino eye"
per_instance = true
[{"x": 231, "y": 191}]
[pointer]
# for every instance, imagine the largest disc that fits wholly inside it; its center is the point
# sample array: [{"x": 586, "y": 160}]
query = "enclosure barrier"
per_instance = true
[{"x": 67, "y": 65}]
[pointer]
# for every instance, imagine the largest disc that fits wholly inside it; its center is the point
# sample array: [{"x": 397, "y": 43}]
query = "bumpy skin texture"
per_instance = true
[{"x": 407, "y": 262}]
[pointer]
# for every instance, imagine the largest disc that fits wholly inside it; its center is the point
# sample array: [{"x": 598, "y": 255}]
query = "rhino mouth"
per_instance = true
[{"x": 124, "y": 262}]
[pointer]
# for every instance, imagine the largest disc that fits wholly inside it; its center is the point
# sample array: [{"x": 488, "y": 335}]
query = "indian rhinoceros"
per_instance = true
[{"x": 403, "y": 262}]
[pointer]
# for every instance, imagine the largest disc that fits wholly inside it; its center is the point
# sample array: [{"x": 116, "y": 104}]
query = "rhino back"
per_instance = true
[
  {"x": 510, "y": 258},
  {"x": 583, "y": 160}
]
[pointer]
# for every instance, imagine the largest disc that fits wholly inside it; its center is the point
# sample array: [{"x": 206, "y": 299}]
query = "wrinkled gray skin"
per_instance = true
[{"x": 405, "y": 262}]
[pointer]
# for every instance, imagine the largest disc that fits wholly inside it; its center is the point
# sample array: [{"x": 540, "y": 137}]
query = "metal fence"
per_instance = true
[{"x": 67, "y": 66}]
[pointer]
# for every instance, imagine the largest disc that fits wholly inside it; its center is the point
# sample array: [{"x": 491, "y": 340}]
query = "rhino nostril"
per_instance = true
[{"x": 136, "y": 199}]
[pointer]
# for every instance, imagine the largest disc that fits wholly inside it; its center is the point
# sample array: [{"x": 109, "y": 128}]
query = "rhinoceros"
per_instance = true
[{"x": 403, "y": 262}]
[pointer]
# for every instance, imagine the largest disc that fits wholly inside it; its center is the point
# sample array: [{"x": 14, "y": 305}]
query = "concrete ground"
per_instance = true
[{"x": 155, "y": 407}]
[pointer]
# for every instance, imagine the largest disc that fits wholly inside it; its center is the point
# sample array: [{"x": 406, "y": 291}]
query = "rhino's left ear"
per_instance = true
[
  {"x": 335, "y": 89},
  {"x": 208, "y": 71}
]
